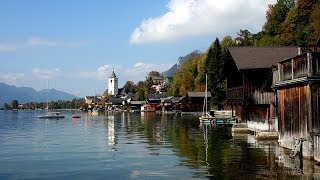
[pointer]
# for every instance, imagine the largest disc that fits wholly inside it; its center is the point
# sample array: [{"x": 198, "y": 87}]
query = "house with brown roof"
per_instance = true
[
  {"x": 297, "y": 83},
  {"x": 180, "y": 103},
  {"x": 196, "y": 101},
  {"x": 249, "y": 77}
]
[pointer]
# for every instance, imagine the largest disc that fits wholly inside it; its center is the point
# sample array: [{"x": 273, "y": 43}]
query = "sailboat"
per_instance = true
[
  {"x": 205, "y": 118},
  {"x": 49, "y": 114}
]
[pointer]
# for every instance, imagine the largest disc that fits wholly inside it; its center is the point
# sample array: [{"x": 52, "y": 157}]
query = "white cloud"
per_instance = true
[
  {"x": 139, "y": 71},
  {"x": 46, "y": 73},
  {"x": 202, "y": 17},
  {"x": 134, "y": 73},
  {"x": 35, "y": 41},
  {"x": 101, "y": 73},
  {"x": 12, "y": 78}
]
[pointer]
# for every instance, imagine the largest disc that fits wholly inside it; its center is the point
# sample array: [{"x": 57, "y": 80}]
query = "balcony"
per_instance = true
[
  {"x": 297, "y": 69},
  {"x": 235, "y": 94}
]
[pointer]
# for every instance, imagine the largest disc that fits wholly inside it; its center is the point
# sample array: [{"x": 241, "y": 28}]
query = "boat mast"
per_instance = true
[
  {"x": 47, "y": 91},
  {"x": 206, "y": 98}
]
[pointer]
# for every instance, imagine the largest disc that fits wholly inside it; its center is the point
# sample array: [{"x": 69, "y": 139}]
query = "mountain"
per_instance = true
[
  {"x": 27, "y": 94},
  {"x": 181, "y": 60}
]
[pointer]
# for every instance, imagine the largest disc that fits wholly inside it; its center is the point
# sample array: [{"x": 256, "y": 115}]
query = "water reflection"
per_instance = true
[{"x": 141, "y": 146}]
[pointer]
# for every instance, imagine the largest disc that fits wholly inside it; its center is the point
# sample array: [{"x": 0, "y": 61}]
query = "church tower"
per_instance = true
[{"x": 113, "y": 84}]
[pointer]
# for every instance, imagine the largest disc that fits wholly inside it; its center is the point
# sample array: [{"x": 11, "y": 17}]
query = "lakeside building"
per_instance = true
[
  {"x": 249, "y": 90},
  {"x": 113, "y": 84},
  {"x": 297, "y": 83}
]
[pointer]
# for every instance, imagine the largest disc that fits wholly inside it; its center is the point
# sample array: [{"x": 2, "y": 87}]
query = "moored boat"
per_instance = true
[
  {"x": 76, "y": 116},
  {"x": 51, "y": 115},
  {"x": 206, "y": 117}
]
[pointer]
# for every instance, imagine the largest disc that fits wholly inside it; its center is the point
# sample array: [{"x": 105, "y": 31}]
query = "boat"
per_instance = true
[
  {"x": 76, "y": 116},
  {"x": 51, "y": 115},
  {"x": 205, "y": 118},
  {"x": 217, "y": 120}
]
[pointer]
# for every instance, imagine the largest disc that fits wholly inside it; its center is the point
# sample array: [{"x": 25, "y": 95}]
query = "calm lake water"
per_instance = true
[{"x": 137, "y": 146}]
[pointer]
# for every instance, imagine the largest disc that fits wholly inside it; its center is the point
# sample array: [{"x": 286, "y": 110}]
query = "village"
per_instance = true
[{"x": 272, "y": 90}]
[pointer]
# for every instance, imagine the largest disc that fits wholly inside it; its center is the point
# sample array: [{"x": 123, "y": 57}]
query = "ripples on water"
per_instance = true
[{"x": 136, "y": 146}]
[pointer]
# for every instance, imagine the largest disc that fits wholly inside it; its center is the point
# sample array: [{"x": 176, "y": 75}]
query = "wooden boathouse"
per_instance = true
[
  {"x": 249, "y": 79},
  {"x": 297, "y": 83}
]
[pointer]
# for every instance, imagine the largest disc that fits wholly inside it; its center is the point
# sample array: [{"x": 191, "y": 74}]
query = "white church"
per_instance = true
[{"x": 113, "y": 84}]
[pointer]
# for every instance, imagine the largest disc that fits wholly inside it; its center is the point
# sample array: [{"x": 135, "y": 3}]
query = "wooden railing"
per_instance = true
[
  {"x": 235, "y": 94},
  {"x": 305, "y": 65}
]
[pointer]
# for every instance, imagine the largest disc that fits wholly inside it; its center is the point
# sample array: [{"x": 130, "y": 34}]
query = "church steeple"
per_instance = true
[
  {"x": 113, "y": 84},
  {"x": 113, "y": 75}
]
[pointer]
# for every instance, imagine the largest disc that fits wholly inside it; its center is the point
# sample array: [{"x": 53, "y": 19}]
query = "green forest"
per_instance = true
[{"x": 288, "y": 23}]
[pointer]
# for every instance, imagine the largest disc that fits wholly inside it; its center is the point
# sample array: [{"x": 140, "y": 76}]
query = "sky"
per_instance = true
[{"x": 76, "y": 44}]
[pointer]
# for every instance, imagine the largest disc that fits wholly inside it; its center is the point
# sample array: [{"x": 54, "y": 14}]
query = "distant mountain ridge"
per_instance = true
[
  {"x": 27, "y": 94},
  {"x": 181, "y": 60}
]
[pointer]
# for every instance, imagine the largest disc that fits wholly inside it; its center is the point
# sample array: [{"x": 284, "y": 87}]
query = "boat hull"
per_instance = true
[
  {"x": 76, "y": 116},
  {"x": 50, "y": 117}
]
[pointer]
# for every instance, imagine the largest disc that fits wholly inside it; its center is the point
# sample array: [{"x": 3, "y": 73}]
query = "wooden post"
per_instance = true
[
  {"x": 292, "y": 69},
  {"x": 279, "y": 72},
  {"x": 310, "y": 69},
  {"x": 232, "y": 110}
]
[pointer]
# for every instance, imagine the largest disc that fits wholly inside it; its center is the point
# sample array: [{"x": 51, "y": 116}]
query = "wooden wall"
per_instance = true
[
  {"x": 294, "y": 111},
  {"x": 252, "y": 84},
  {"x": 316, "y": 108}
]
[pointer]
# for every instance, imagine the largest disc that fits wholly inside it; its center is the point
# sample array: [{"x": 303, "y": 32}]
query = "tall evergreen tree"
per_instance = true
[{"x": 213, "y": 61}]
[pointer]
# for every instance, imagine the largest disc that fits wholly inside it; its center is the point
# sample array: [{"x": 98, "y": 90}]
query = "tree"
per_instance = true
[
  {"x": 153, "y": 73},
  {"x": 244, "y": 38},
  {"x": 297, "y": 29},
  {"x": 129, "y": 86},
  {"x": 184, "y": 79},
  {"x": 226, "y": 42},
  {"x": 14, "y": 104},
  {"x": 6, "y": 106},
  {"x": 213, "y": 61},
  {"x": 315, "y": 22},
  {"x": 276, "y": 15},
  {"x": 140, "y": 94}
]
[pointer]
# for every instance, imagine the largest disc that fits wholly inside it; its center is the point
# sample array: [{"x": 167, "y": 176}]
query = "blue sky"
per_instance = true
[{"x": 75, "y": 44}]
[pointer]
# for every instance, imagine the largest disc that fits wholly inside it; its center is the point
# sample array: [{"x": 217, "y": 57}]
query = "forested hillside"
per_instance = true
[{"x": 288, "y": 23}]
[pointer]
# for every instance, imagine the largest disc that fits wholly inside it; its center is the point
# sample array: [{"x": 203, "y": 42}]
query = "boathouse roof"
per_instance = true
[
  {"x": 260, "y": 57},
  {"x": 198, "y": 94}
]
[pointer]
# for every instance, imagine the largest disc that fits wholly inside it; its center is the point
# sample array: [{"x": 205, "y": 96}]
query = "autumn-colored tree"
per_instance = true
[
  {"x": 226, "y": 42},
  {"x": 297, "y": 28},
  {"x": 184, "y": 79},
  {"x": 315, "y": 22},
  {"x": 276, "y": 15},
  {"x": 140, "y": 94}
]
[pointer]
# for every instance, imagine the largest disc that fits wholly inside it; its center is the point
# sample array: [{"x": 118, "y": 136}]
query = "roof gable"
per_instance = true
[
  {"x": 260, "y": 57},
  {"x": 198, "y": 94},
  {"x": 115, "y": 101}
]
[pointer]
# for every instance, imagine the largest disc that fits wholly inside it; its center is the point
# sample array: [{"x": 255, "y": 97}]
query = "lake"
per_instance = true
[{"x": 137, "y": 146}]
